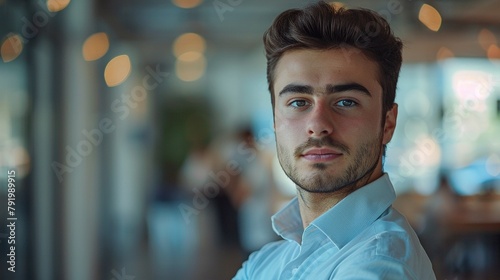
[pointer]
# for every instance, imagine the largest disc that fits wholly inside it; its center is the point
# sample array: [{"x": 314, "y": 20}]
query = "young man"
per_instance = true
[{"x": 332, "y": 75}]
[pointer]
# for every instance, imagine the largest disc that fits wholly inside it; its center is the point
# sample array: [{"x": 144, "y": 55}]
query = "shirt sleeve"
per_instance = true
[
  {"x": 374, "y": 268},
  {"x": 257, "y": 265},
  {"x": 242, "y": 274},
  {"x": 245, "y": 272},
  {"x": 388, "y": 256}
]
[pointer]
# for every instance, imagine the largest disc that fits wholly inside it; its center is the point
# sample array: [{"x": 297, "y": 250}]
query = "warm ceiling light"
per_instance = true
[
  {"x": 190, "y": 66},
  {"x": 444, "y": 53},
  {"x": 95, "y": 46},
  {"x": 190, "y": 56},
  {"x": 11, "y": 47},
  {"x": 117, "y": 70},
  {"x": 57, "y": 5},
  {"x": 493, "y": 52},
  {"x": 188, "y": 42},
  {"x": 187, "y": 4},
  {"x": 486, "y": 38},
  {"x": 430, "y": 17}
]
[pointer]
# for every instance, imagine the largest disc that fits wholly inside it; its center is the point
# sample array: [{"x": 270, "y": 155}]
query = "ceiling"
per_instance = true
[{"x": 239, "y": 24}]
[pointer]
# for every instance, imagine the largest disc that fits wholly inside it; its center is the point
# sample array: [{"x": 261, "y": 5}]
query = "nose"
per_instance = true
[{"x": 320, "y": 122}]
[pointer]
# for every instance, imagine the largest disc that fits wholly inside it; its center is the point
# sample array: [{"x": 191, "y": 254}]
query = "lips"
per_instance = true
[{"x": 321, "y": 154}]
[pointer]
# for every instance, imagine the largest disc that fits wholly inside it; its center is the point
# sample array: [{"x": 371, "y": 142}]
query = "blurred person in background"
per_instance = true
[
  {"x": 175, "y": 227},
  {"x": 332, "y": 75},
  {"x": 254, "y": 193},
  {"x": 245, "y": 199}
]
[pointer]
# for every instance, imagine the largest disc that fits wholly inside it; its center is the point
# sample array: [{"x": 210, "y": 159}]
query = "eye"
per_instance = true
[
  {"x": 298, "y": 103},
  {"x": 346, "y": 103}
]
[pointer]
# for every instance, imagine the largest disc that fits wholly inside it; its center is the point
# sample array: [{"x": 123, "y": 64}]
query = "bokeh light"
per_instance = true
[
  {"x": 190, "y": 66},
  {"x": 187, "y": 4},
  {"x": 493, "y": 52},
  {"x": 188, "y": 42},
  {"x": 444, "y": 53},
  {"x": 57, "y": 5},
  {"x": 117, "y": 70},
  {"x": 486, "y": 38},
  {"x": 11, "y": 47},
  {"x": 189, "y": 49},
  {"x": 472, "y": 85},
  {"x": 95, "y": 46},
  {"x": 430, "y": 17}
]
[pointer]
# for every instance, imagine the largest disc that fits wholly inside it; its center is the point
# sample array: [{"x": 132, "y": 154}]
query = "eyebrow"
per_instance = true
[
  {"x": 347, "y": 87},
  {"x": 296, "y": 88}
]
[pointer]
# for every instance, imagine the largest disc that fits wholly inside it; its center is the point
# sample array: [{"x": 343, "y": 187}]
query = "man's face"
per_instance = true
[{"x": 329, "y": 124}]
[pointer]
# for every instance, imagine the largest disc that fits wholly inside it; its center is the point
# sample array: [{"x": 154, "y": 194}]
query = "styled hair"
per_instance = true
[{"x": 322, "y": 26}]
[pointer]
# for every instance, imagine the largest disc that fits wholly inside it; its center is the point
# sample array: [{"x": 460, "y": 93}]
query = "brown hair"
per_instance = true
[{"x": 322, "y": 26}]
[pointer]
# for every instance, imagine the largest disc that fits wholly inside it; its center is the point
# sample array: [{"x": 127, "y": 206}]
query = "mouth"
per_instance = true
[{"x": 321, "y": 155}]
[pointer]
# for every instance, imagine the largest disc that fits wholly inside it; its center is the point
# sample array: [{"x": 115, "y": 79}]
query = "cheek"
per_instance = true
[
  {"x": 287, "y": 131},
  {"x": 358, "y": 129},
  {"x": 281, "y": 124}
]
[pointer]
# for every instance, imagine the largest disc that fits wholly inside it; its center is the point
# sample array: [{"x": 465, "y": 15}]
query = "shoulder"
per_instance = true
[
  {"x": 390, "y": 247},
  {"x": 394, "y": 237}
]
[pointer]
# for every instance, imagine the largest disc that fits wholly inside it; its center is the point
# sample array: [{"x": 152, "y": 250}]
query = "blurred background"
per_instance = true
[{"x": 140, "y": 134}]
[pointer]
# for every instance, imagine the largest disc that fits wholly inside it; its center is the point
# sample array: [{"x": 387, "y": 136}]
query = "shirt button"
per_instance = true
[{"x": 294, "y": 270}]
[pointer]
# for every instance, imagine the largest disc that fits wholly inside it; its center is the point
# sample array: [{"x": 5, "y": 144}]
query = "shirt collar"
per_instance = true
[
  {"x": 288, "y": 223},
  {"x": 345, "y": 220}
]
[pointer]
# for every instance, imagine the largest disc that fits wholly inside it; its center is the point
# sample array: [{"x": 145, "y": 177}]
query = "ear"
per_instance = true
[{"x": 390, "y": 123}]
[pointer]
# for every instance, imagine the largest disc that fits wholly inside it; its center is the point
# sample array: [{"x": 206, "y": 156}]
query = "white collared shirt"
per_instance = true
[{"x": 362, "y": 237}]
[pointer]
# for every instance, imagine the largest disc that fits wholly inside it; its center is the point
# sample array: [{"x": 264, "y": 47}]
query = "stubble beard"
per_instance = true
[{"x": 356, "y": 174}]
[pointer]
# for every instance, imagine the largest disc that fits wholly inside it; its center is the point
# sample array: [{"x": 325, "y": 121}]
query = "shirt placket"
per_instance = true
[{"x": 295, "y": 268}]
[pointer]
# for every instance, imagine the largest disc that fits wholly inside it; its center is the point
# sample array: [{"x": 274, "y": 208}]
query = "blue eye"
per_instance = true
[
  {"x": 298, "y": 103},
  {"x": 346, "y": 103}
]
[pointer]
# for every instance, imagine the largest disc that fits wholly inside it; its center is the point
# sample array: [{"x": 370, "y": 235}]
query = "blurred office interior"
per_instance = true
[{"x": 142, "y": 139}]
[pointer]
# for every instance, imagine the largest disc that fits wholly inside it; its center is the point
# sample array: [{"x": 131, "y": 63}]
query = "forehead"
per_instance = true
[{"x": 319, "y": 68}]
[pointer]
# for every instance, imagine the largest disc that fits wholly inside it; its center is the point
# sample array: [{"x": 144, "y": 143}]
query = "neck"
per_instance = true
[{"x": 312, "y": 205}]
